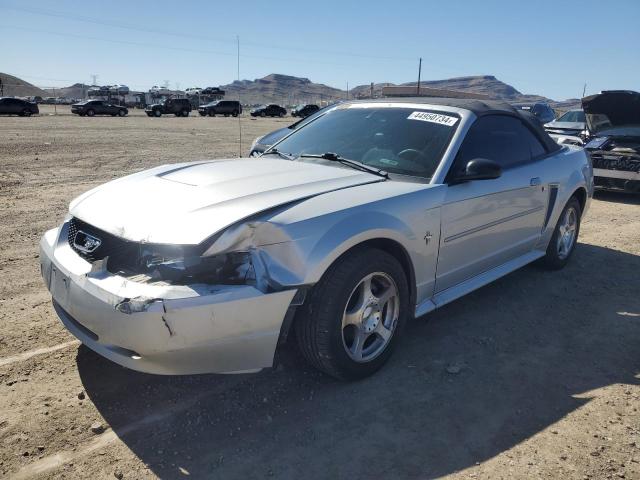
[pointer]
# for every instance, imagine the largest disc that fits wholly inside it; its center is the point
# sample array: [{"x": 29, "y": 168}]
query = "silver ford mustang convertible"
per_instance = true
[{"x": 371, "y": 214}]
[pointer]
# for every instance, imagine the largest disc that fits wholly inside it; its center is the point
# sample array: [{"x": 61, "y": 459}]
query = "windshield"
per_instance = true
[
  {"x": 399, "y": 140},
  {"x": 573, "y": 116}
]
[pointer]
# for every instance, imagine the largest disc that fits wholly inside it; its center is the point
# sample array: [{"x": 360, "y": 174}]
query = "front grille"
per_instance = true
[{"x": 110, "y": 246}]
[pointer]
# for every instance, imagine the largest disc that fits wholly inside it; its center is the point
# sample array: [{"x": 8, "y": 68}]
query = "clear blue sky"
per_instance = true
[{"x": 544, "y": 47}]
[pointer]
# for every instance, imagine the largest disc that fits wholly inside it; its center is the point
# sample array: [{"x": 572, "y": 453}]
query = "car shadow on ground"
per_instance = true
[
  {"x": 617, "y": 197},
  {"x": 467, "y": 382}
]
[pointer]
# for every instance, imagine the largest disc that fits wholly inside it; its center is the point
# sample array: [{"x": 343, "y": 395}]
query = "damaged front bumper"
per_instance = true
[{"x": 162, "y": 329}]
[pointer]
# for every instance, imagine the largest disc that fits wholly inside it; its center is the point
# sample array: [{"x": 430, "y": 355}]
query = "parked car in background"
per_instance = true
[
  {"x": 98, "y": 107},
  {"x": 613, "y": 124},
  {"x": 180, "y": 107},
  {"x": 304, "y": 110},
  {"x": 262, "y": 143},
  {"x": 17, "y": 106},
  {"x": 156, "y": 90},
  {"x": 569, "y": 129},
  {"x": 118, "y": 90},
  {"x": 541, "y": 110},
  {"x": 193, "y": 91},
  {"x": 221, "y": 107},
  {"x": 212, "y": 91},
  {"x": 331, "y": 238},
  {"x": 271, "y": 110}
]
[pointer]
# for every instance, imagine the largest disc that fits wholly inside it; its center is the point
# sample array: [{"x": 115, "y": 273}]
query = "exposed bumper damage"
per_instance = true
[
  {"x": 163, "y": 329},
  {"x": 616, "y": 163}
]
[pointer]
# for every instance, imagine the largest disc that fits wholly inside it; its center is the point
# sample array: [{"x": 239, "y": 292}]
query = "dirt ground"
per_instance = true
[{"x": 534, "y": 376}]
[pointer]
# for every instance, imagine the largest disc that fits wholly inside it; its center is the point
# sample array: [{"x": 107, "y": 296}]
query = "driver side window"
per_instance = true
[{"x": 501, "y": 138}]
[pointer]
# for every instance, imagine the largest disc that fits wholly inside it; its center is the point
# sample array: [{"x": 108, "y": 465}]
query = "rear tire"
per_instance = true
[
  {"x": 564, "y": 238},
  {"x": 26, "y": 112},
  {"x": 349, "y": 326},
  {"x": 121, "y": 113},
  {"x": 235, "y": 114},
  {"x": 185, "y": 113}
]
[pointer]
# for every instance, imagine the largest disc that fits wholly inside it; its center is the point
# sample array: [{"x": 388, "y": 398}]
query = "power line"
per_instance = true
[
  {"x": 138, "y": 28},
  {"x": 167, "y": 47}
]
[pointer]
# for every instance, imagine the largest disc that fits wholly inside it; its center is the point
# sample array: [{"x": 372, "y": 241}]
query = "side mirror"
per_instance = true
[{"x": 479, "y": 169}]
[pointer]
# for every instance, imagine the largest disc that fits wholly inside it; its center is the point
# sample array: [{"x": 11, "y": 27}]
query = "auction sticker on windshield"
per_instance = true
[{"x": 434, "y": 118}]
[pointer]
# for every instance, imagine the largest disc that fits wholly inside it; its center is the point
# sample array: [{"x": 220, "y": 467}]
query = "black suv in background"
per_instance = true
[
  {"x": 221, "y": 107},
  {"x": 98, "y": 107},
  {"x": 17, "y": 106},
  {"x": 271, "y": 110},
  {"x": 542, "y": 111},
  {"x": 304, "y": 110},
  {"x": 180, "y": 107}
]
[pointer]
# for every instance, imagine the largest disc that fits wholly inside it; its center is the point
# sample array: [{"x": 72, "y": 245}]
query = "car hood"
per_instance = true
[
  {"x": 565, "y": 125},
  {"x": 187, "y": 203},
  {"x": 612, "y": 110}
]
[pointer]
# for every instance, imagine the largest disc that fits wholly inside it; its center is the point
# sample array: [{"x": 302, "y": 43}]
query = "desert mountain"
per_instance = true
[
  {"x": 16, "y": 87},
  {"x": 285, "y": 89},
  {"x": 290, "y": 90},
  {"x": 77, "y": 90}
]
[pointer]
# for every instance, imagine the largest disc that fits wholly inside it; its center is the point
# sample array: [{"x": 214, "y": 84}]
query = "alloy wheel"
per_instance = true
[
  {"x": 370, "y": 317},
  {"x": 567, "y": 233}
]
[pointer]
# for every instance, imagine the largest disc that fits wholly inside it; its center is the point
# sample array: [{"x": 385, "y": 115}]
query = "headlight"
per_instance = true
[{"x": 182, "y": 265}]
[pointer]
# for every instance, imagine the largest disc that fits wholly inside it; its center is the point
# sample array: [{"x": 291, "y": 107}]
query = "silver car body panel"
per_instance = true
[{"x": 296, "y": 219}]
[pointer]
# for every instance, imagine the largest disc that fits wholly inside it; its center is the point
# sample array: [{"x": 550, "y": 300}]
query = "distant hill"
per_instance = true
[
  {"x": 16, "y": 87},
  {"x": 289, "y": 90},
  {"x": 77, "y": 90},
  {"x": 484, "y": 84},
  {"x": 284, "y": 89}
]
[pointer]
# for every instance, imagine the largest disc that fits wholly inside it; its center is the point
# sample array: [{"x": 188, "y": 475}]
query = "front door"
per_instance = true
[{"x": 485, "y": 223}]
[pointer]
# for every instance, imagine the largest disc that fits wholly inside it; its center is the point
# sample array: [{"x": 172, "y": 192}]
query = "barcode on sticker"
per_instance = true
[{"x": 434, "y": 118}]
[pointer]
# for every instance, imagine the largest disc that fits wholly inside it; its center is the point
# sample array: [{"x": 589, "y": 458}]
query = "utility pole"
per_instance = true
[
  {"x": 371, "y": 89},
  {"x": 584, "y": 89},
  {"x": 239, "y": 122},
  {"x": 347, "y": 90},
  {"x": 94, "y": 79},
  {"x": 419, "y": 75}
]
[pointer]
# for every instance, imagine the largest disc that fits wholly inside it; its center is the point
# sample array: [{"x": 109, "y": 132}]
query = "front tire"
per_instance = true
[
  {"x": 90, "y": 113},
  {"x": 354, "y": 316},
  {"x": 565, "y": 236}
]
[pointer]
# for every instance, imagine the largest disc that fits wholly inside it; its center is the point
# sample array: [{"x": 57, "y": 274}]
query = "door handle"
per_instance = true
[{"x": 535, "y": 181}]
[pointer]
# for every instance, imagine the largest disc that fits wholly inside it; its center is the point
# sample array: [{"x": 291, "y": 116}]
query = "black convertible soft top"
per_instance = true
[{"x": 480, "y": 108}]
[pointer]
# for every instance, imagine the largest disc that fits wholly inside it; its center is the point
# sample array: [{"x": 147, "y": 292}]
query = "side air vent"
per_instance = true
[{"x": 553, "y": 196}]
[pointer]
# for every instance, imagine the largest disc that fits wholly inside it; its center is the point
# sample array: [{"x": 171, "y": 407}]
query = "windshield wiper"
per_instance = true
[
  {"x": 334, "y": 157},
  {"x": 284, "y": 155}
]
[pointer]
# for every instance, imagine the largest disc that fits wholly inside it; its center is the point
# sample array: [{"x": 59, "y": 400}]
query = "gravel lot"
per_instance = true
[{"x": 534, "y": 376}]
